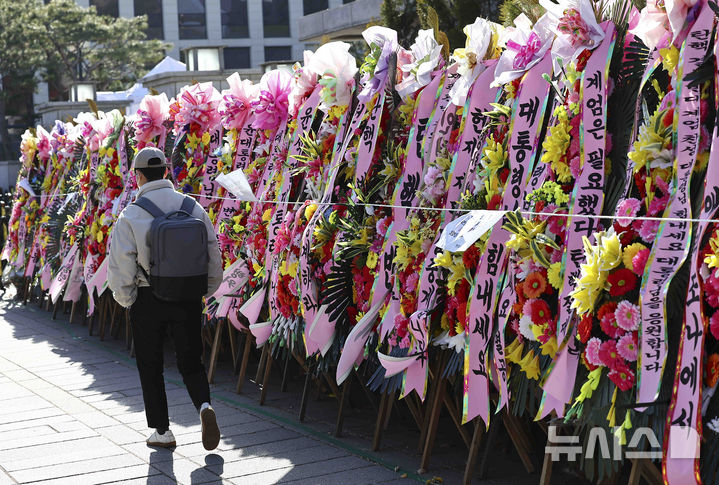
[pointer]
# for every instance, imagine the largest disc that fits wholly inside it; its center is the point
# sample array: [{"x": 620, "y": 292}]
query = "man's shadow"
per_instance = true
[{"x": 159, "y": 461}]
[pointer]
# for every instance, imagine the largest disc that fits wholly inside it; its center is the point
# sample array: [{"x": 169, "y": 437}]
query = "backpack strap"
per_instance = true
[
  {"x": 149, "y": 206},
  {"x": 188, "y": 205}
]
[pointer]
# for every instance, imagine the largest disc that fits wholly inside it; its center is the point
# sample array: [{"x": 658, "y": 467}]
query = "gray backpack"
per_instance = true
[{"x": 178, "y": 252}]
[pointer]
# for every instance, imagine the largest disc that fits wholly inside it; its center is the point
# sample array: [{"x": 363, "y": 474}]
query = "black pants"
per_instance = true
[{"x": 150, "y": 318}]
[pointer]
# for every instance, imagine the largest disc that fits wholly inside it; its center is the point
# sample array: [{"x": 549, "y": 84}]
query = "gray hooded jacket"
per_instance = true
[{"x": 128, "y": 246}]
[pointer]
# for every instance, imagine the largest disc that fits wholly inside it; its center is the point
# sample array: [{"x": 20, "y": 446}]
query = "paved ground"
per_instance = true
[{"x": 71, "y": 413}]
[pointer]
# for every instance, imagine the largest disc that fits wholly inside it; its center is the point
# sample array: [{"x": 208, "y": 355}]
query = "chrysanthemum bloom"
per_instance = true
[
  {"x": 627, "y": 210},
  {"x": 627, "y": 315},
  {"x": 609, "y": 355},
  {"x": 622, "y": 376},
  {"x": 592, "y": 352},
  {"x": 534, "y": 285},
  {"x": 627, "y": 347}
]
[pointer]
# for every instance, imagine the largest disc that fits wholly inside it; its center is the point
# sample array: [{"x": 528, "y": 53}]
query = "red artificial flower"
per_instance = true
[
  {"x": 711, "y": 370},
  {"x": 494, "y": 202},
  {"x": 608, "y": 307},
  {"x": 610, "y": 326},
  {"x": 622, "y": 376},
  {"x": 621, "y": 281},
  {"x": 609, "y": 355},
  {"x": 539, "y": 312},
  {"x": 584, "y": 330},
  {"x": 534, "y": 284},
  {"x": 470, "y": 257}
]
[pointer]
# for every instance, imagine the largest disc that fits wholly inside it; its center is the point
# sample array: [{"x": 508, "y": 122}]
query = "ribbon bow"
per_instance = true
[{"x": 526, "y": 52}]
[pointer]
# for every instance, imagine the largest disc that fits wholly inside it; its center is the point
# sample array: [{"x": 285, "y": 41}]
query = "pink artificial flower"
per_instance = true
[
  {"x": 198, "y": 104},
  {"x": 382, "y": 225},
  {"x": 627, "y": 210},
  {"x": 648, "y": 231},
  {"x": 627, "y": 315},
  {"x": 609, "y": 325},
  {"x": 412, "y": 280},
  {"x": 714, "y": 325},
  {"x": 235, "y": 106},
  {"x": 271, "y": 108},
  {"x": 575, "y": 166},
  {"x": 657, "y": 205},
  {"x": 44, "y": 145},
  {"x": 592, "y": 352},
  {"x": 153, "y": 112},
  {"x": 639, "y": 261},
  {"x": 609, "y": 355},
  {"x": 627, "y": 347}
]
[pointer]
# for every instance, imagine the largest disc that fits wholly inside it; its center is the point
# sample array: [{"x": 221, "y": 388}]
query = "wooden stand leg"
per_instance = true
[
  {"x": 383, "y": 403},
  {"x": 546, "y": 475},
  {"x": 245, "y": 360},
  {"x": 519, "y": 439},
  {"x": 283, "y": 386},
  {"x": 233, "y": 344},
  {"x": 454, "y": 414},
  {"x": 41, "y": 299},
  {"x": 432, "y": 422},
  {"x": 261, "y": 365},
  {"x": 72, "y": 310},
  {"x": 25, "y": 290},
  {"x": 266, "y": 379},
  {"x": 56, "y": 307},
  {"x": 91, "y": 321},
  {"x": 644, "y": 468},
  {"x": 104, "y": 309},
  {"x": 305, "y": 395},
  {"x": 473, "y": 451},
  {"x": 214, "y": 354},
  {"x": 340, "y": 413}
]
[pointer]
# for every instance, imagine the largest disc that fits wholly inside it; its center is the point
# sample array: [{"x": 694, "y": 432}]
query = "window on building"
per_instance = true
[
  {"x": 278, "y": 53},
  {"x": 191, "y": 19},
  {"x": 234, "y": 19},
  {"x": 276, "y": 18},
  {"x": 312, "y": 6},
  {"x": 106, "y": 7},
  {"x": 153, "y": 10},
  {"x": 237, "y": 58}
]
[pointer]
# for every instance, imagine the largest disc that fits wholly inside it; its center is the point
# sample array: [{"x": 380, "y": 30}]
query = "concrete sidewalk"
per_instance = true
[{"x": 72, "y": 413}]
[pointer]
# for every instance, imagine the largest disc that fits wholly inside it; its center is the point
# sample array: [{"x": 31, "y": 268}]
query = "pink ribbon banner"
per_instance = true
[
  {"x": 209, "y": 186},
  {"x": 671, "y": 245},
  {"x": 587, "y": 199},
  {"x": 523, "y": 144},
  {"x": 682, "y": 438},
  {"x": 60, "y": 280}
]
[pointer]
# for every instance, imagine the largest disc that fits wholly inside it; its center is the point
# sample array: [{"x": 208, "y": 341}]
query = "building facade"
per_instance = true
[{"x": 251, "y": 32}]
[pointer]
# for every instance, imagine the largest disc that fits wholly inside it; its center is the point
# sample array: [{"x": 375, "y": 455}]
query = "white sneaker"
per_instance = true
[
  {"x": 165, "y": 440},
  {"x": 210, "y": 430}
]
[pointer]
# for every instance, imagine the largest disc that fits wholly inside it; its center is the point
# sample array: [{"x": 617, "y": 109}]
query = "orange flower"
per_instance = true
[
  {"x": 534, "y": 285},
  {"x": 711, "y": 370}
]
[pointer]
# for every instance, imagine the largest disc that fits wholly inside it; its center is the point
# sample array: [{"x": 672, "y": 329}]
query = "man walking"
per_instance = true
[{"x": 135, "y": 256}]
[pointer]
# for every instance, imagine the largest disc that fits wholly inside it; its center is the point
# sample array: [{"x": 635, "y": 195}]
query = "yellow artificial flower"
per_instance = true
[
  {"x": 530, "y": 365},
  {"x": 99, "y": 236},
  {"x": 372, "y": 259},
  {"x": 444, "y": 260},
  {"x": 192, "y": 141},
  {"x": 629, "y": 253},
  {"x": 513, "y": 352},
  {"x": 206, "y": 138},
  {"x": 550, "y": 348},
  {"x": 310, "y": 210},
  {"x": 554, "y": 275},
  {"x": 712, "y": 258},
  {"x": 611, "y": 251},
  {"x": 670, "y": 58},
  {"x": 590, "y": 385},
  {"x": 267, "y": 215}
]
